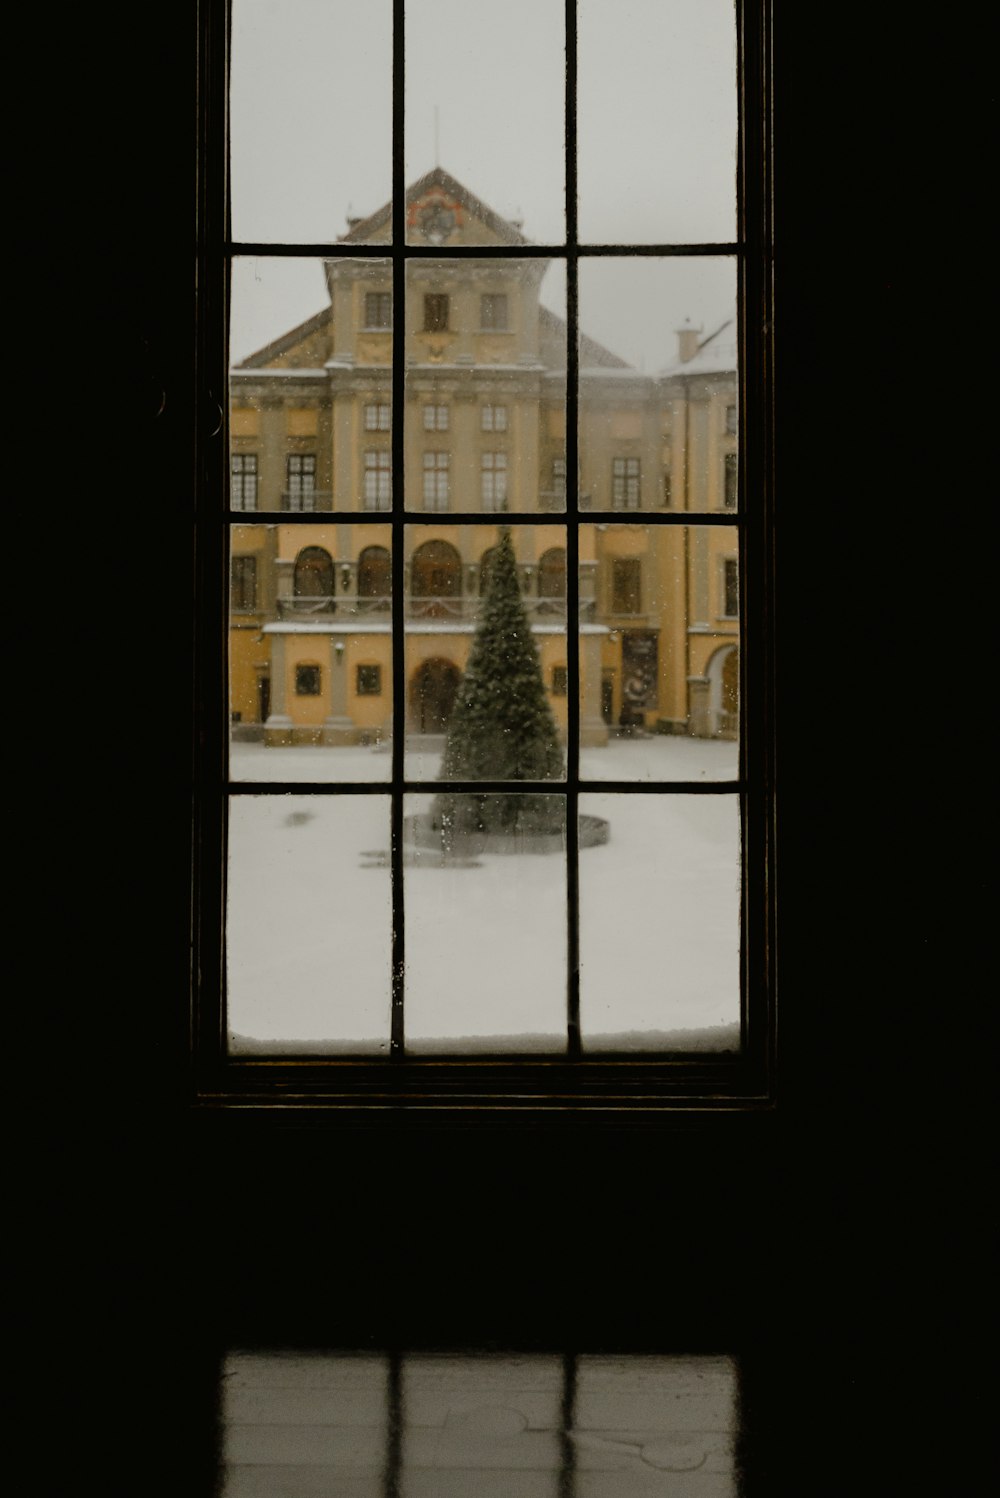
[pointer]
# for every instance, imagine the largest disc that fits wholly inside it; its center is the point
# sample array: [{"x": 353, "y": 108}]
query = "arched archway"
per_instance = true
[
  {"x": 375, "y": 577},
  {"x": 433, "y": 688},
  {"x": 724, "y": 692},
  {"x": 435, "y": 576},
  {"x": 314, "y": 575}
]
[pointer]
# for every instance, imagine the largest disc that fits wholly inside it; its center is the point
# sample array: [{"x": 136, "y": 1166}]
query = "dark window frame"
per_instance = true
[
  {"x": 378, "y": 312},
  {"x": 636, "y": 1089},
  {"x": 243, "y": 477},
  {"x": 373, "y": 681},
  {"x": 437, "y": 312},
  {"x": 308, "y": 679}
]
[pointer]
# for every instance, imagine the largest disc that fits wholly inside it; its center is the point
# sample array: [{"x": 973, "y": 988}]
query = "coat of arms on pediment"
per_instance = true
[{"x": 435, "y": 216}]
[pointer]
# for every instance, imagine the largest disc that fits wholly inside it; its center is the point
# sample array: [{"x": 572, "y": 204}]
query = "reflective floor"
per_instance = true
[{"x": 300, "y": 1425}]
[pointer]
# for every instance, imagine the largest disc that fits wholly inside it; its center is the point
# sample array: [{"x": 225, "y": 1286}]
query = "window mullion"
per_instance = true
[
  {"x": 396, "y": 1042},
  {"x": 572, "y": 557}
]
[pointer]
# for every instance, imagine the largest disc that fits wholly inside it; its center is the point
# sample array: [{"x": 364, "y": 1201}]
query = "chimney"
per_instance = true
[
  {"x": 687, "y": 341},
  {"x": 353, "y": 219}
]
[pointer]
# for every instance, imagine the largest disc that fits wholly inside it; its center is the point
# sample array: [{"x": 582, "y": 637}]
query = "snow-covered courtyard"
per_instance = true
[{"x": 310, "y": 916}]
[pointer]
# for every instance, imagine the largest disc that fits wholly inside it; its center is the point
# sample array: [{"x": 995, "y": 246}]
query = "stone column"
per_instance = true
[
  {"x": 278, "y": 728},
  {"x": 338, "y": 727},
  {"x": 593, "y": 729},
  {"x": 284, "y": 571}
]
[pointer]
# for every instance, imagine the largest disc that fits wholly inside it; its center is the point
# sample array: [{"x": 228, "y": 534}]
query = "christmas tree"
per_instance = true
[{"x": 502, "y": 727}]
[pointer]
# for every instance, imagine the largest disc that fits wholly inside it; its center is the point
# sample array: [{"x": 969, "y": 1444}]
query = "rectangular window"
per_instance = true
[
  {"x": 730, "y": 589},
  {"x": 243, "y": 585},
  {"x": 668, "y": 491},
  {"x": 378, "y": 418},
  {"x": 732, "y": 420},
  {"x": 378, "y": 479},
  {"x": 494, "y": 481},
  {"x": 436, "y": 468},
  {"x": 731, "y": 493},
  {"x": 632, "y": 865},
  {"x": 307, "y": 681},
  {"x": 493, "y": 311},
  {"x": 300, "y": 493},
  {"x": 243, "y": 481},
  {"x": 435, "y": 312},
  {"x": 625, "y": 484},
  {"x": 378, "y": 309},
  {"x": 626, "y": 585},
  {"x": 493, "y": 418}
]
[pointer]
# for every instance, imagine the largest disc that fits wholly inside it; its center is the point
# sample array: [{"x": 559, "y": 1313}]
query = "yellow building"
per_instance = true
[{"x": 485, "y": 390}]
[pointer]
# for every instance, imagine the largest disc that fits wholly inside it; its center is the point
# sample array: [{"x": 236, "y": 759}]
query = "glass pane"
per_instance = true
[
  {"x": 659, "y": 652},
  {"x": 485, "y": 385},
  {"x": 310, "y": 384},
  {"x": 658, "y": 383},
  {"x": 657, "y": 121},
  {"x": 660, "y": 924},
  {"x": 485, "y": 120},
  {"x": 303, "y": 73},
  {"x": 309, "y": 922},
  {"x": 485, "y": 890},
  {"x": 677, "y": 1418},
  {"x": 485, "y": 645},
  {"x": 310, "y": 652}
]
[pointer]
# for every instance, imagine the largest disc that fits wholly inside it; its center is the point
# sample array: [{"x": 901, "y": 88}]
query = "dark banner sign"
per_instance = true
[{"x": 640, "y": 660}]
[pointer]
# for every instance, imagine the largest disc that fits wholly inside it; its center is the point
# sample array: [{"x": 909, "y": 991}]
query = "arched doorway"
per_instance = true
[
  {"x": 433, "y": 688},
  {"x": 552, "y": 581},
  {"x": 724, "y": 693},
  {"x": 435, "y": 579},
  {"x": 314, "y": 575},
  {"x": 374, "y": 578}
]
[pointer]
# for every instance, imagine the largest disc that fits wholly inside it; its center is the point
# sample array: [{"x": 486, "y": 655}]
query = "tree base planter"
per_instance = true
[{"x": 425, "y": 833}]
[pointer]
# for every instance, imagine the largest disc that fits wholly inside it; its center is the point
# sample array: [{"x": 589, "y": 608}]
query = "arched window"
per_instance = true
[
  {"x": 314, "y": 577},
  {"x": 436, "y": 571},
  {"x": 375, "y": 576},
  {"x": 552, "y": 573}
]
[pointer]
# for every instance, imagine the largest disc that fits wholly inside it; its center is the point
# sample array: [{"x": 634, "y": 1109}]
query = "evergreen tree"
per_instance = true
[{"x": 502, "y": 727}]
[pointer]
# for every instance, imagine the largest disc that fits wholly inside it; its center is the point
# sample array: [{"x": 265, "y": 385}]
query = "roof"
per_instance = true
[
  {"x": 716, "y": 354},
  {"x": 363, "y": 231}
]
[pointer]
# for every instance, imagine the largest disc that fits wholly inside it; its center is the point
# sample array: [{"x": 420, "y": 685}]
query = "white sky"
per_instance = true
[{"x": 311, "y": 110}]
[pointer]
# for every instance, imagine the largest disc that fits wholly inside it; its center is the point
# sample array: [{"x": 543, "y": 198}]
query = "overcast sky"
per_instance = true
[{"x": 311, "y": 113}]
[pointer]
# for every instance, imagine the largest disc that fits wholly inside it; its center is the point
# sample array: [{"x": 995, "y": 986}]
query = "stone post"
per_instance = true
[
  {"x": 278, "y": 728},
  {"x": 338, "y": 727}
]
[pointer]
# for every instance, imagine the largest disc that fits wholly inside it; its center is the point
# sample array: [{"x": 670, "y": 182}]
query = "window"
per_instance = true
[
  {"x": 668, "y": 491},
  {"x": 300, "y": 493},
  {"x": 625, "y": 484},
  {"x": 626, "y": 585},
  {"x": 494, "y": 481},
  {"x": 730, "y": 589},
  {"x": 243, "y": 481},
  {"x": 378, "y": 479},
  {"x": 435, "y": 312},
  {"x": 731, "y": 481},
  {"x": 243, "y": 585},
  {"x": 378, "y": 309},
  {"x": 436, "y": 466},
  {"x": 493, "y": 419},
  {"x": 313, "y": 576},
  {"x": 368, "y": 681},
  {"x": 732, "y": 420},
  {"x": 493, "y": 311},
  {"x": 627, "y": 612},
  {"x": 378, "y": 417}
]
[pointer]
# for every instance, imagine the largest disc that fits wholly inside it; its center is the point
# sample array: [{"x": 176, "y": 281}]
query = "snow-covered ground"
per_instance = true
[{"x": 310, "y": 916}]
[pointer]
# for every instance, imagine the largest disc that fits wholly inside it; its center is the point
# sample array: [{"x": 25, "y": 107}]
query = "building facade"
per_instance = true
[{"x": 485, "y": 415}]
